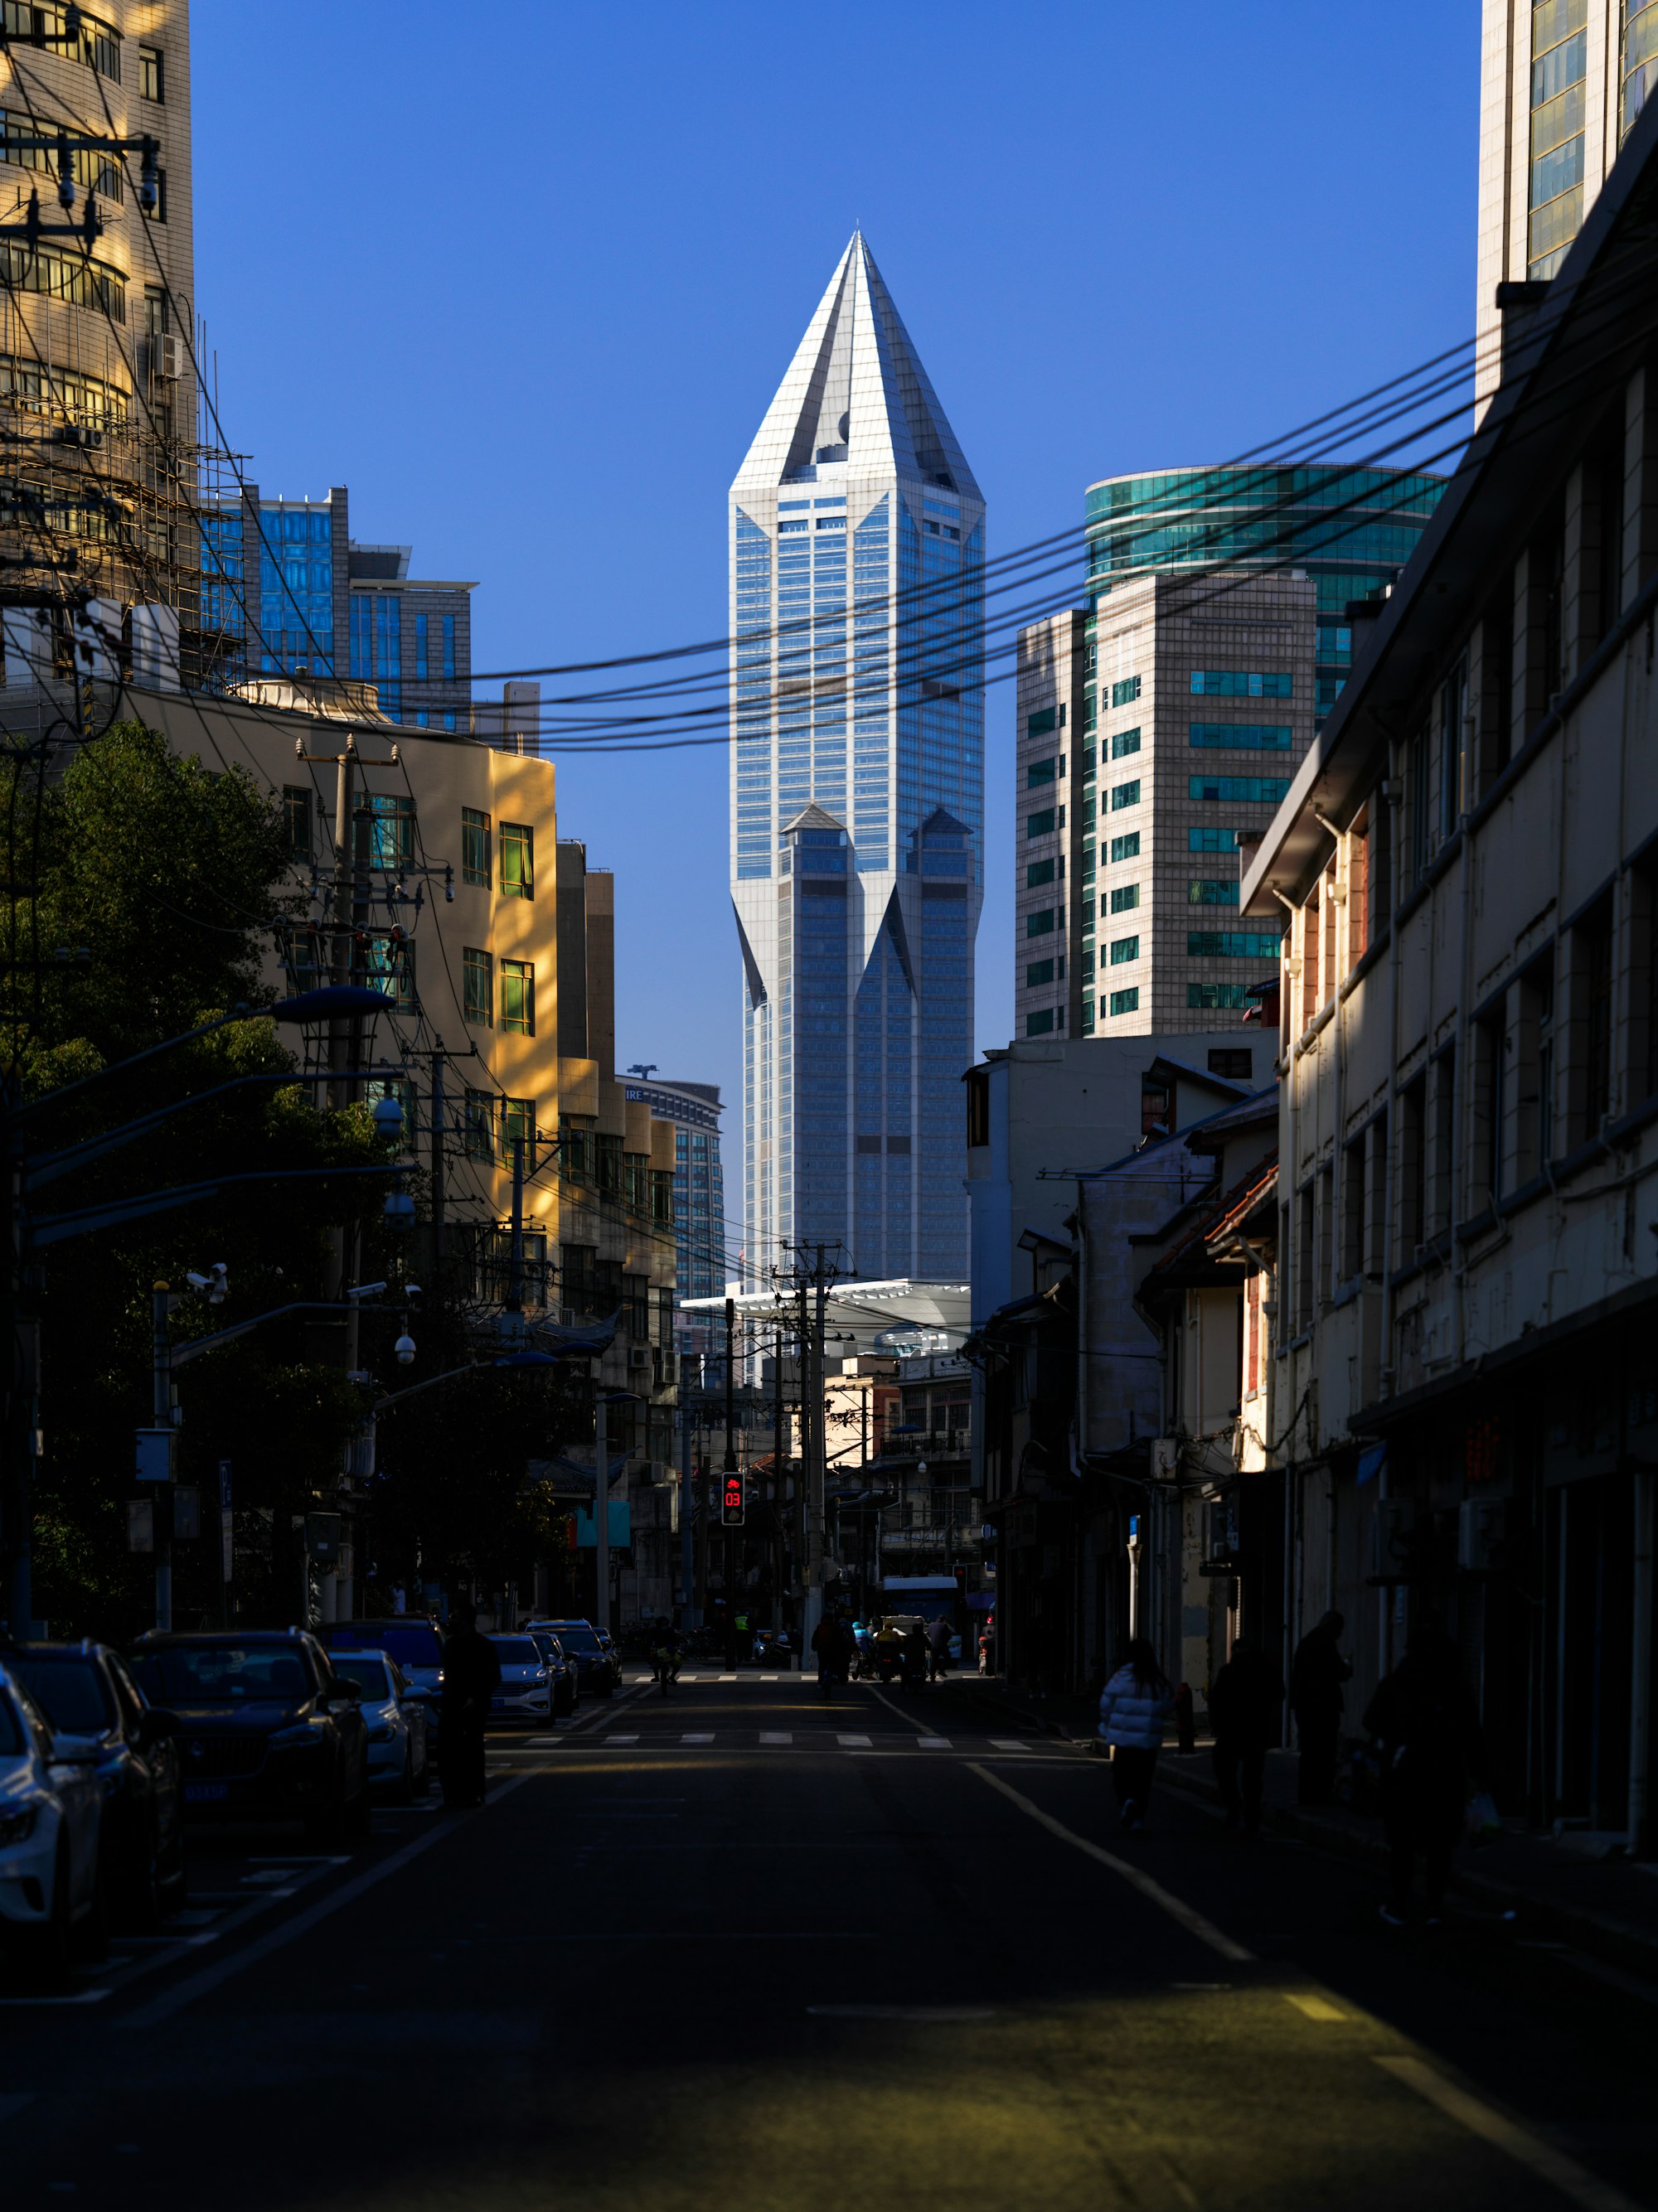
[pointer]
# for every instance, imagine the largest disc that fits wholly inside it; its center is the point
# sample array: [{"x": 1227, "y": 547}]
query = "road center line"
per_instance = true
[
  {"x": 1480, "y": 2119},
  {"x": 1191, "y": 1920}
]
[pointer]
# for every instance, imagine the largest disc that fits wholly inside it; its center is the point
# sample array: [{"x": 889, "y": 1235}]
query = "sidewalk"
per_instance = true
[{"x": 1608, "y": 1906}]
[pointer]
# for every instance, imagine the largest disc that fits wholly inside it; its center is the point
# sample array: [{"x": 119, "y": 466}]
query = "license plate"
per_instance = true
[
  {"x": 206, "y": 1793},
  {"x": 499, "y": 1705}
]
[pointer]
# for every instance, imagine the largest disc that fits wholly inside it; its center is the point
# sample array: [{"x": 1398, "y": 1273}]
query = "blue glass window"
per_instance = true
[
  {"x": 1212, "y": 840},
  {"x": 1126, "y": 848},
  {"x": 1253, "y": 790},
  {"x": 1241, "y": 684},
  {"x": 1124, "y": 1002},
  {"x": 1232, "y": 945},
  {"x": 1124, "y": 794},
  {"x": 1211, "y": 890},
  {"x": 1242, "y": 737}
]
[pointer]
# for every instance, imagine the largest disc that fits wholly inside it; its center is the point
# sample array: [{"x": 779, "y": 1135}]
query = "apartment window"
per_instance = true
[
  {"x": 297, "y": 819},
  {"x": 1352, "y": 1210},
  {"x": 1125, "y": 693},
  {"x": 1491, "y": 1107},
  {"x": 1306, "y": 1255},
  {"x": 1124, "y": 1002},
  {"x": 1123, "y": 794},
  {"x": 422, "y": 646},
  {"x": 1124, "y": 897},
  {"x": 1212, "y": 891},
  {"x": 517, "y": 860},
  {"x": 1413, "y": 1170},
  {"x": 1241, "y": 684},
  {"x": 1377, "y": 1210},
  {"x": 1416, "y": 786},
  {"x": 1126, "y": 848},
  {"x": 1040, "y": 923},
  {"x": 1040, "y": 724},
  {"x": 152, "y": 73},
  {"x": 477, "y": 986},
  {"x": 518, "y": 997},
  {"x": 1038, "y": 872},
  {"x": 1453, "y": 739},
  {"x": 1442, "y": 1192},
  {"x": 1240, "y": 736},
  {"x": 477, "y": 1137},
  {"x": 1592, "y": 1020},
  {"x": 1039, "y": 772},
  {"x": 1039, "y": 825},
  {"x": 518, "y": 1127},
  {"x": 475, "y": 843},
  {"x": 1212, "y": 840},
  {"x": 1219, "y": 997},
  {"x": 1257, "y": 945},
  {"x": 1125, "y": 743},
  {"x": 1040, "y": 1025},
  {"x": 1088, "y": 961},
  {"x": 448, "y": 661},
  {"x": 1326, "y": 1225},
  {"x": 1123, "y": 950},
  {"x": 1231, "y": 790},
  {"x": 385, "y": 831},
  {"x": 1037, "y": 973}
]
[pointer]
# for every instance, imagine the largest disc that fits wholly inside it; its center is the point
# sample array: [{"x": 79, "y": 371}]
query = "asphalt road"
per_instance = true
[{"x": 739, "y": 1949}]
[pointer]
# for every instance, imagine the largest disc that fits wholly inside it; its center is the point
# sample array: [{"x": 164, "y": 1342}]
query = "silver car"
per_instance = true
[
  {"x": 525, "y": 1691},
  {"x": 395, "y": 1719}
]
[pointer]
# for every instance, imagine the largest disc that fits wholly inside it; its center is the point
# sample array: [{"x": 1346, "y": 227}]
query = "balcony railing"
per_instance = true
[{"x": 924, "y": 1444}]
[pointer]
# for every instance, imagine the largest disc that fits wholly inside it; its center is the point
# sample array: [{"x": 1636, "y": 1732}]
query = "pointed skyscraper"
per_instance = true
[{"x": 857, "y": 776}]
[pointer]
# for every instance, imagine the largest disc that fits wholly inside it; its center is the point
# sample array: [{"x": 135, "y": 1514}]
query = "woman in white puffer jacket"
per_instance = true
[{"x": 1134, "y": 1711}]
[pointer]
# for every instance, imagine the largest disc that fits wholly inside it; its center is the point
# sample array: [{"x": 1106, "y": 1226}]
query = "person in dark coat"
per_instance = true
[
  {"x": 1315, "y": 1697},
  {"x": 1244, "y": 1703},
  {"x": 1431, "y": 1738},
  {"x": 471, "y": 1675},
  {"x": 833, "y": 1645}
]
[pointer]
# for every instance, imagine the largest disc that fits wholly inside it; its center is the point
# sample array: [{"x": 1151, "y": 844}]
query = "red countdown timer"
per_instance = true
[{"x": 731, "y": 1507}]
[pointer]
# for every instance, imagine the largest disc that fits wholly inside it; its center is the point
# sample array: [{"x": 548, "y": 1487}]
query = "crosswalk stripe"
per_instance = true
[
  {"x": 771, "y": 1678},
  {"x": 775, "y": 1736},
  {"x": 934, "y": 1742},
  {"x": 621, "y": 1739},
  {"x": 1009, "y": 1743},
  {"x": 696, "y": 1739},
  {"x": 854, "y": 1742},
  {"x": 726, "y": 1678}
]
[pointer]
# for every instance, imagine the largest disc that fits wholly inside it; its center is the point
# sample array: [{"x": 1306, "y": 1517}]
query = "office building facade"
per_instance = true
[
  {"x": 1167, "y": 716},
  {"x": 856, "y": 556},
  {"x": 295, "y": 596},
  {"x": 1561, "y": 84},
  {"x": 703, "y": 1268}
]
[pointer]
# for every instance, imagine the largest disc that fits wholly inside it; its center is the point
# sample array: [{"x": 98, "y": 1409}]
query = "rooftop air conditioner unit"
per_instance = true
[{"x": 166, "y": 356}]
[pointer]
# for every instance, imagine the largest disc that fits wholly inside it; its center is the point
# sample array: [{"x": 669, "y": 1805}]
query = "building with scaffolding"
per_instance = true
[{"x": 99, "y": 398}]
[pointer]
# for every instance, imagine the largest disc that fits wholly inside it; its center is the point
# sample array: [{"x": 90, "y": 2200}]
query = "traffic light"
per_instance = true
[{"x": 731, "y": 1507}]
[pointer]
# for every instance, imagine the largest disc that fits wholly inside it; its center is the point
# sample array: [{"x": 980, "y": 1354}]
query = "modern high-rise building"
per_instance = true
[
  {"x": 704, "y": 1268},
  {"x": 293, "y": 594},
  {"x": 1167, "y": 716},
  {"x": 1561, "y": 83},
  {"x": 856, "y": 559}
]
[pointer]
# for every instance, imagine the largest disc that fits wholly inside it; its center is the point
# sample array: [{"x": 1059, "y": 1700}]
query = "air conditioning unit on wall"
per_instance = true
[{"x": 638, "y": 1355}]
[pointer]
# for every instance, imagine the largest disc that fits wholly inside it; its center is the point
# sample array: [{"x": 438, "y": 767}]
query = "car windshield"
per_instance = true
[
  {"x": 226, "y": 1674},
  {"x": 11, "y": 1729},
  {"x": 369, "y": 1675},
  {"x": 576, "y": 1636},
  {"x": 411, "y": 1643},
  {"x": 70, "y": 1691},
  {"x": 516, "y": 1651}
]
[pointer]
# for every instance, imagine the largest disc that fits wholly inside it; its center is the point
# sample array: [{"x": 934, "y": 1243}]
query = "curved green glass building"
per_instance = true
[{"x": 1351, "y": 529}]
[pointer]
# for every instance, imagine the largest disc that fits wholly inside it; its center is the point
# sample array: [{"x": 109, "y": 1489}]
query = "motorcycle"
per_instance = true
[{"x": 665, "y": 1669}]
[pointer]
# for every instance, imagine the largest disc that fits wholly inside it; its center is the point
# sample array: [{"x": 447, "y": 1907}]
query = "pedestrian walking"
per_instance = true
[
  {"x": 1431, "y": 1751},
  {"x": 471, "y": 1675},
  {"x": 1316, "y": 1676},
  {"x": 1134, "y": 1710},
  {"x": 830, "y": 1641},
  {"x": 1185, "y": 1721},
  {"x": 938, "y": 1649},
  {"x": 987, "y": 1648},
  {"x": 1245, "y": 1700}
]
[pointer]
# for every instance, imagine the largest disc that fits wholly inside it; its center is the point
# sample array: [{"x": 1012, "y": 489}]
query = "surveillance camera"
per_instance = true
[
  {"x": 387, "y": 1118},
  {"x": 405, "y": 1349}
]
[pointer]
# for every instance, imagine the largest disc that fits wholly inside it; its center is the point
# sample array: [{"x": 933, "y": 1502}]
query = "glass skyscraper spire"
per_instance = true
[{"x": 857, "y": 775}]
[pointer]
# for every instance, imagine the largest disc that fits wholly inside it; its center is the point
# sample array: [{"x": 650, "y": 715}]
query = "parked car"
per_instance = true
[
  {"x": 266, "y": 1729},
  {"x": 413, "y": 1640},
  {"x": 525, "y": 1691},
  {"x": 52, "y": 1890},
  {"x": 561, "y": 1671},
  {"x": 598, "y": 1670},
  {"x": 96, "y": 1710},
  {"x": 395, "y": 1719}
]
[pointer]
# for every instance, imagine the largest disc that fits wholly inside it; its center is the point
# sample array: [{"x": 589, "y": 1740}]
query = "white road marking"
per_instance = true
[
  {"x": 1314, "y": 2008},
  {"x": 1009, "y": 1743},
  {"x": 1480, "y": 2119},
  {"x": 1193, "y": 1921},
  {"x": 773, "y": 1735},
  {"x": 725, "y": 1678},
  {"x": 855, "y": 1743},
  {"x": 696, "y": 1739},
  {"x": 771, "y": 1678},
  {"x": 621, "y": 1739},
  {"x": 934, "y": 1742}
]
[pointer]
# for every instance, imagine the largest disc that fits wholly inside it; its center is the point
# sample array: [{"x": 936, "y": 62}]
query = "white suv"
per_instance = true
[{"x": 51, "y": 1897}]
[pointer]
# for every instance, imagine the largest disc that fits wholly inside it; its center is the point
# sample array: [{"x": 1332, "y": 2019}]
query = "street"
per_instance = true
[{"x": 739, "y": 1948}]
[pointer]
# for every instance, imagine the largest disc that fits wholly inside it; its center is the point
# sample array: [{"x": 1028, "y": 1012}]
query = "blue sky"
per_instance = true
[{"x": 525, "y": 276}]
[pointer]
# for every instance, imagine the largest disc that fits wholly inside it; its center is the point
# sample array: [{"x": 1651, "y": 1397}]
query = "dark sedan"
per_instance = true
[
  {"x": 97, "y": 1711},
  {"x": 561, "y": 1671},
  {"x": 267, "y": 1731},
  {"x": 598, "y": 1669}
]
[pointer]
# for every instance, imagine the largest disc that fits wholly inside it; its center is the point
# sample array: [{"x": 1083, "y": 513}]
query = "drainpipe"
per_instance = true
[{"x": 1640, "y": 1727}]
